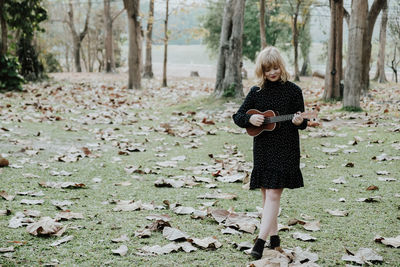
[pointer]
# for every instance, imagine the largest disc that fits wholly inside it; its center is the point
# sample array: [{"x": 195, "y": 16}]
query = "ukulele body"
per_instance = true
[{"x": 254, "y": 130}]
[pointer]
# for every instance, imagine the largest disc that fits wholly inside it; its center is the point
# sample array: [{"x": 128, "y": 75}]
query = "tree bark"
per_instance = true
[
  {"x": 3, "y": 24},
  {"x": 108, "y": 40},
  {"x": 366, "y": 44},
  {"x": 262, "y": 25},
  {"x": 164, "y": 82},
  {"x": 148, "y": 66},
  {"x": 354, "y": 71},
  {"x": 334, "y": 63},
  {"x": 380, "y": 68},
  {"x": 295, "y": 39},
  {"x": 229, "y": 77},
  {"x": 135, "y": 44},
  {"x": 77, "y": 38}
]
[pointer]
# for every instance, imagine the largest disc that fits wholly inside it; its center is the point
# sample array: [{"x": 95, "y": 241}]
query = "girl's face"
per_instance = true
[{"x": 272, "y": 74}]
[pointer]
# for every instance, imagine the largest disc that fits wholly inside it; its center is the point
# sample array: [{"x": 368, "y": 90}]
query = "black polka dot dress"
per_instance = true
[{"x": 276, "y": 153}]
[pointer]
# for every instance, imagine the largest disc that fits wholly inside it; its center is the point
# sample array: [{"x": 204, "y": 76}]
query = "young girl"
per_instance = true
[{"x": 276, "y": 153}]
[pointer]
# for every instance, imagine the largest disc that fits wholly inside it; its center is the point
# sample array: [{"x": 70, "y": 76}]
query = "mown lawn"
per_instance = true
[{"x": 42, "y": 125}]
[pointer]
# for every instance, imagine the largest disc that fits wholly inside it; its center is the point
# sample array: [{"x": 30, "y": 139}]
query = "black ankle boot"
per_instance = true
[
  {"x": 258, "y": 249},
  {"x": 274, "y": 241}
]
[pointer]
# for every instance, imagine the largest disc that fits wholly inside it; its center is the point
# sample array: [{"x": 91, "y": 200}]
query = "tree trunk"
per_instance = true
[
  {"x": 77, "y": 39},
  {"x": 148, "y": 67},
  {"x": 305, "y": 68},
  {"x": 67, "y": 58},
  {"x": 229, "y": 76},
  {"x": 164, "y": 82},
  {"x": 295, "y": 39},
  {"x": 380, "y": 68},
  {"x": 135, "y": 44},
  {"x": 262, "y": 25},
  {"x": 3, "y": 24},
  {"x": 394, "y": 64},
  {"x": 334, "y": 63},
  {"x": 354, "y": 71},
  {"x": 366, "y": 44},
  {"x": 108, "y": 40},
  {"x": 89, "y": 48}
]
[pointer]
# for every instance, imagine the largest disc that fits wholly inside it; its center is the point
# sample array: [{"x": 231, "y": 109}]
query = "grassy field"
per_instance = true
[{"x": 44, "y": 124}]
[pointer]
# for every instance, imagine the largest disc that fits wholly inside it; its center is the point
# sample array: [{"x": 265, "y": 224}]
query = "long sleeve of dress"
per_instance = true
[
  {"x": 240, "y": 118},
  {"x": 298, "y": 105}
]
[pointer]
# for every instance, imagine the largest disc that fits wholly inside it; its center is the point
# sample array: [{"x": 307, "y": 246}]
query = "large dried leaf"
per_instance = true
[
  {"x": 303, "y": 236},
  {"x": 218, "y": 196},
  {"x": 174, "y": 234},
  {"x": 370, "y": 199},
  {"x": 19, "y": 220},
  {"x": 133, "y": 205},
  {"x": 5, "y": 212},
  {"x": 363, "y": 256},
  {"x": 158, "y": 250},
  {"x": 62, "y": 185},
  {"x": 220, "y": 215},
  {"x": 7, "y": 249},
  {"x": 32, "y": 201},
  {"x": 341, "y": 213},
  {"x": 206, "y": 243},
  {"x": 122, "y": 250},
  {"x": 32, "y": 213},
  {"x": 45, "y": 226},
  {"x": 183, "y": 210},
  {"x": 312, "y": 226},
  {"x": 162, "y": 182},
  {"x": 120, "y": 239},
  {"x": 68, "y": 215},
  {"x": 163, "y": 217},
  {"x": 232, "y": 178},
  {"x": 6, "y": 196},
  {"x": 389, "y": 241},
  {"x": 61, "y": 241}
]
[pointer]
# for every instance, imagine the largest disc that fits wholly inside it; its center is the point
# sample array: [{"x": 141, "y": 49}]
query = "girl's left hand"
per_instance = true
[{"x": 297, "y": 119}]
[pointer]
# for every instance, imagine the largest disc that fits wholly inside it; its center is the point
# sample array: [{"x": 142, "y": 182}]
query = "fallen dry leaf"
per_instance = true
[
  {"x": 4, "y": 162},
  {"x": 389, "y": 241},
  {"x": 5, "y": 212},
  {"x": 19, "y": 220},
  {"x": 62, "y": 185},
  {"x": 312, "y": 226},
  {"x": 8, "y": 249},
  {"x": 32, "y": 213},
  {"x": 61, "y": 241},
  {"x": 68, "y": 215},
  {"x": 206, "y": 243},
  {"x": 363, "y": 256},
  {"x": 6, "y": 196},
  {"x": 370, "y": 199},
  {"x": 122, "y": 250},
  {"x": 338, "y": 213},
  {"x": 45, "y": 226},
  {"x": 173, "y": 234},
  {"x": 303, "y": 236},
  {"x": 32, "y": 201},
  {"x": 218, "y": 196},
  {"x": 122, "y": 238}
]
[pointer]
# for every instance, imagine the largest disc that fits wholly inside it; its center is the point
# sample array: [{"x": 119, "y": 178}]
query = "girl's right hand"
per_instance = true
[{"x": 256, "y": 119}]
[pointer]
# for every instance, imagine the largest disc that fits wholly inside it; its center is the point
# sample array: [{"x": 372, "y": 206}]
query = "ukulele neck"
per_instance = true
[{"x": 279, "y": 118}]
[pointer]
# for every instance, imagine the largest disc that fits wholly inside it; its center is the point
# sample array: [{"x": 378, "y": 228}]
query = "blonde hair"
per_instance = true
[{"x": 270, "y": 57}]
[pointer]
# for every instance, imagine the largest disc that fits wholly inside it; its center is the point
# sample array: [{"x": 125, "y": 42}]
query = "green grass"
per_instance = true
[{"x": 92, "y": 245}]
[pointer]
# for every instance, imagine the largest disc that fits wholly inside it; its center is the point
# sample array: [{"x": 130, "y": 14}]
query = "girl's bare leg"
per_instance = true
[
  {"x": 269, "y": 219},
  {"x": 263, "y": 197}
]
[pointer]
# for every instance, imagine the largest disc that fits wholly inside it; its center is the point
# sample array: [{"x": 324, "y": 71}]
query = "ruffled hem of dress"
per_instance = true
[{"x": 274, "y": 180}]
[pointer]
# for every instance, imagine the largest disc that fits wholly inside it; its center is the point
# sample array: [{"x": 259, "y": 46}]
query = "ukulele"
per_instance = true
[{"x": 271, "y": 119}]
